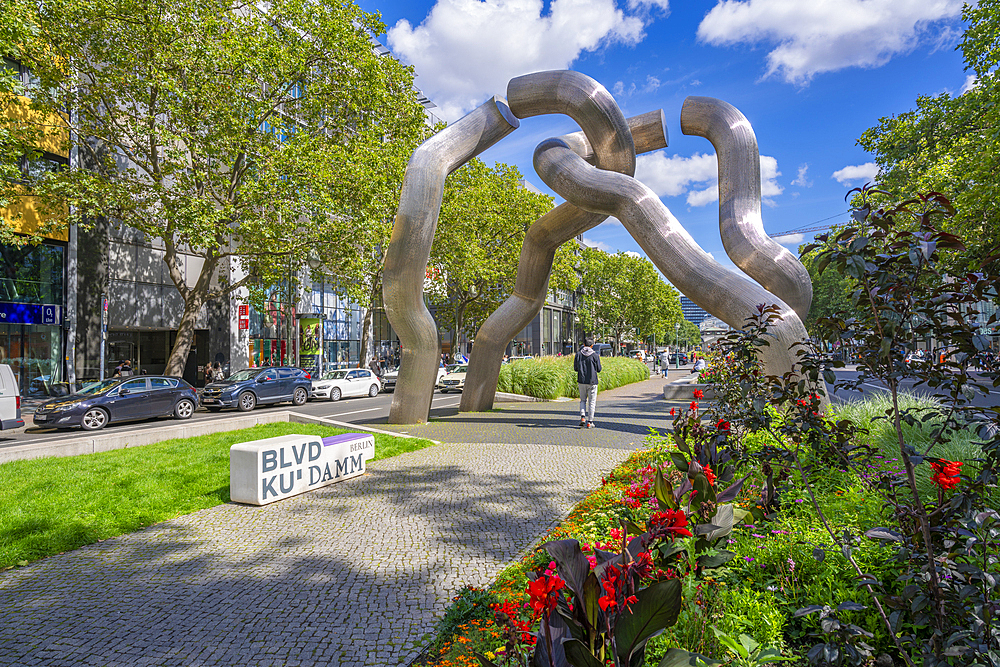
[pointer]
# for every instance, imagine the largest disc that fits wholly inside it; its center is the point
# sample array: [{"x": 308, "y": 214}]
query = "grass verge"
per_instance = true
[
  {"x": 52, "y": 505},
  {"x": 552, "y": 377}
]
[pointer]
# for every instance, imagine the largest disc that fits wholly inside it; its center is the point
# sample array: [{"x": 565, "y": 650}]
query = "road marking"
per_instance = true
[
  {"x": 450, "y": 405},
  {"x": 343, "y": 414}
]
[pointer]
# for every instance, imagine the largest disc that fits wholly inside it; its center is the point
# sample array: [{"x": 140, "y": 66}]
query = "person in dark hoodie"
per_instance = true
[{"x": 587, "y": 365}]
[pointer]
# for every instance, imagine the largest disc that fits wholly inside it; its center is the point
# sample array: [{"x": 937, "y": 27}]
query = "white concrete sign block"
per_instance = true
[{"x": 263, "y": 471}]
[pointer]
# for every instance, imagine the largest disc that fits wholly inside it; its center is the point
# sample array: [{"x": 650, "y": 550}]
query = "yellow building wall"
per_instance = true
[{"x": 25, "y": 215}]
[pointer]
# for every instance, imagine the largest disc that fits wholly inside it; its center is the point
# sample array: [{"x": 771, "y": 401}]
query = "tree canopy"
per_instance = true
[
  {"x": 215, "y": 128},
  {"x": 485, "y": 214},
  {"x": 625, "y": 297},
  {"x": 951, "y": 144}
]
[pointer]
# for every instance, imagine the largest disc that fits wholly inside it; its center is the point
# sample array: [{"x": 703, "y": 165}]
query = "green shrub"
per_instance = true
[{"x": 552, "y": 377}]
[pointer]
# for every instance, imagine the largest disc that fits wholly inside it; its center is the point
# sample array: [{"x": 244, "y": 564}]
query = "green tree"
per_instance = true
[
  {"x": 624, "y": 296},
  {"x": 831, "y": 293},
  {"x": 369, "y": 177},
  {"x": 484, "y": 217},
  {"x": 951, "y": 144},
  {"x": 210, "y": 126}
]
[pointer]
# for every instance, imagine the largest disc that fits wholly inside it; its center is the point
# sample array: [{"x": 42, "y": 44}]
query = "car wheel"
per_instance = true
[
  {"x": 184, "y": 409},
  {"x": 94, "y": 419},
  {"x": 335, "y": 394},
  {"x": 247, "y": 402},
  {"x": 373, "y": 390},
  {"x": 300, "y": 396}
]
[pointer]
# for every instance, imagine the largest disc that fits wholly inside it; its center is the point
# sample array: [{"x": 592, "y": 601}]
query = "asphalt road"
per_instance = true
[
  {"x": 992, "y": 399},
  {"x": 355, "y": 410}
]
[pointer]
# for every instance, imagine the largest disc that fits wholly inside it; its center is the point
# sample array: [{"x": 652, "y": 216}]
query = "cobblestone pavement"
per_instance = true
[
  {"x": 623, "y": 419},
  {"x": 349, "y": 575}
]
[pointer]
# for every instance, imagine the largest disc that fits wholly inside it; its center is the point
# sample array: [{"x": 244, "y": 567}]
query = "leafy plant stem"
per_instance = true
[
  {"x": 847, "y": 554},
  {"x": 925, "y": 527}
]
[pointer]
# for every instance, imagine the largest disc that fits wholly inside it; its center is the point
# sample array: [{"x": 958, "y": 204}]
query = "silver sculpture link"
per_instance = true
[
  {"x": 743, "y": 236},
  {"x": 689, "y": 268},
  {"x": 553, "y": 229},
  {"x": 593, "y": 171},
  {"x": 410, "y": 246}
]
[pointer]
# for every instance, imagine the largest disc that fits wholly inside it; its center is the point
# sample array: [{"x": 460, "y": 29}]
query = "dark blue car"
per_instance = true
[
  {"x": 119, "y": 399},
  {"x": 246, "y": 389}
]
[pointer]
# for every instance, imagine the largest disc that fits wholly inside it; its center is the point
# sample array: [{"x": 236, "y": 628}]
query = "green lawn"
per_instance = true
[{"x": 52, "y": 505}]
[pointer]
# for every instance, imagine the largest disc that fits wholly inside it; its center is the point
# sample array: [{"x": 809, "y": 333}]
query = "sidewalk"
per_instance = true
[
  {"x": 622, "y": 420},
  {"x": 358, "y": 573}
]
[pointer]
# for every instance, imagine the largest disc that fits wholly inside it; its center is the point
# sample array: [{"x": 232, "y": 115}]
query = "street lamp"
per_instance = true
[{"x": 677, "y": 347}]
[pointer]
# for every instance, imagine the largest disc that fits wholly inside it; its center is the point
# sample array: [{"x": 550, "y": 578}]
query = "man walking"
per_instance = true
[{"x": 587, "y": 365}]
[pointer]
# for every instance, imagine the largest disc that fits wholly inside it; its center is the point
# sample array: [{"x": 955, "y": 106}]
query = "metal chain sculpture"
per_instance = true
[{"x": 593, "y": 171}]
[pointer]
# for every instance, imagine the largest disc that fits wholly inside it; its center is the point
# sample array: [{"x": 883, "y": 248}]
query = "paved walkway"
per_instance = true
[
  {"x": 350, "y": 575},
  {"x": 624, "y": 418}
]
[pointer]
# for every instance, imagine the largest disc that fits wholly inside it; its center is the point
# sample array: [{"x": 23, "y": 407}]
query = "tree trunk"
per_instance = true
[
  {"x": 367, "y": 351},
  {"x": 459, "y": 320},
  {"x": 185, "y": 336}
]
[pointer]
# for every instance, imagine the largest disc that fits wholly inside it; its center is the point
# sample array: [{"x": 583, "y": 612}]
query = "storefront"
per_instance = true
[{"x": 31, "y": 316}]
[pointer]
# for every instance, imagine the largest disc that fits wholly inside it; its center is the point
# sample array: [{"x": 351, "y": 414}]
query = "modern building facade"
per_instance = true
[{"x": 35, "y": 296}]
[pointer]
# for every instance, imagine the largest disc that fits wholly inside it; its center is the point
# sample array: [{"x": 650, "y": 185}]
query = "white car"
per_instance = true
[
  {"x": 346, "y": 382},
  {"x": 453, "y": 381},
  {"x": 389, "y": 379}
]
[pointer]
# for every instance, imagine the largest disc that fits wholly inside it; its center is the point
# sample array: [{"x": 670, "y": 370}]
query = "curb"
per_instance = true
[{"x": 104, "y": 442}]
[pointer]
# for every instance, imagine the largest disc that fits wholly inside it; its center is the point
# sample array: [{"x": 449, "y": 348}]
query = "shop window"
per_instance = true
[{"x": 32, "y": 274}]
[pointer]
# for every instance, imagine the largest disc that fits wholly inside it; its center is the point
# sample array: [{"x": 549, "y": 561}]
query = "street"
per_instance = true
[
  {"x": 844, "y": 395},
  {"x": 363, "y": 409}
]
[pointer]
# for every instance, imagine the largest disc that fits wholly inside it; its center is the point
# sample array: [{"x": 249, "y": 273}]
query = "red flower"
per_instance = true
[
  {"x": 670, "y": 521},
  {"x": 694, "y": 406},
  {"x": 672, "y": 411},
  {"x": 710, "y": 475},
  {"x": 722, "y": 425},
  {"x": 698, "y": 393},
  {"x": 946, "y": 473},
  {"x": 610, "y": 584},
  {"x": 544, "y": 593}
]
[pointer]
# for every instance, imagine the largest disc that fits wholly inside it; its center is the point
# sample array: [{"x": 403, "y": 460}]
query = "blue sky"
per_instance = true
[{"x": 810, "y": 75}]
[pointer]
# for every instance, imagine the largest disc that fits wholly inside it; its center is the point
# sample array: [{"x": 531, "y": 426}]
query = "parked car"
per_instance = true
[
  {"x": 119, "y": 399},
  {"x": 337, "y": 384},
  {"x": 638, "y": 354},
  {"x": 389, "y": 379},
  {"x": 511, "y": 360},
  {"x": 245, "y": 389},
  {"x": 10, "y": 399},
  {"x": 453, "y": 381},
  {"x": 915, "y": 357},
  {"x": 672, "y": 360}
]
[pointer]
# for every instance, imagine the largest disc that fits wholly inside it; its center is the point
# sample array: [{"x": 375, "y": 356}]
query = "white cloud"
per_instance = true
[
  {"x": 467, "y": 50},
  {"x": 697, "y": 176},
  {"x": 792, "y": 240},
  {"x": 970, "y": 82},
  {"x": 600, "y": 245},
  {"x": 631, "y": 253},
  {"x": 801, "y": 179},
  {"x": 859, "y": 172},
  {"x": 810, "y": 37}
]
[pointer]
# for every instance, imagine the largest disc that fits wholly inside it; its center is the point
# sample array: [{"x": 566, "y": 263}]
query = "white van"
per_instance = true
[{"x": 10, "y": 399}]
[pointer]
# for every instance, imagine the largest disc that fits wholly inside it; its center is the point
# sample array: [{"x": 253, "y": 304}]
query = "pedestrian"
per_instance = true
[
  {"x": 587, "y": 365},
  {"x": 217, "y": 374}
]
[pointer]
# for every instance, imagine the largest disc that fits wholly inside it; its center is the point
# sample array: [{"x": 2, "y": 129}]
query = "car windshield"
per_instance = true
[
  {"x": 98, "y": 387},
  {"x": 460, "y": 369},
  {"x": 246, "y": 374},
  {"x": 335, "y": 375}
]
